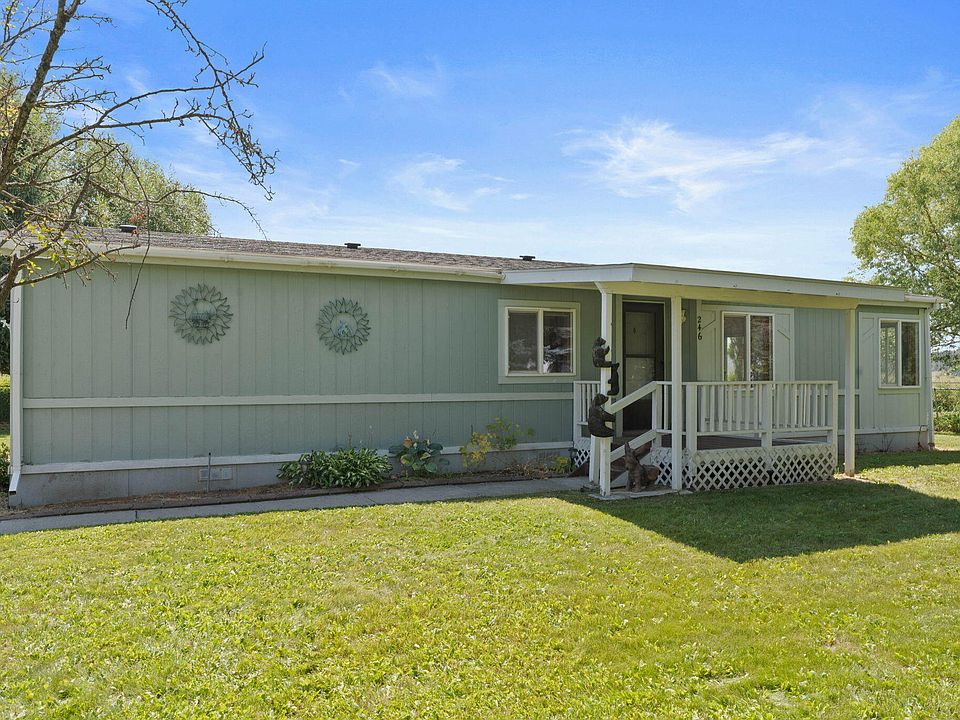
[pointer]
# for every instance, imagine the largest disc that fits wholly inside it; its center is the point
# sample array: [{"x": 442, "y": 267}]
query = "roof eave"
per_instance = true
[
  {"x": 187, "y": 255},
  {"x": 665, "y": 276}
]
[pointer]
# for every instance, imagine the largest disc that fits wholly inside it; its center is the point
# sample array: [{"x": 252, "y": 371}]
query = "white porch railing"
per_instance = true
[
  {"x": 583, "y": 394},
  {"x": 759, "y": 408},
  {"x": 762, "y": 411},
  {"x": 728, "y": 408}
]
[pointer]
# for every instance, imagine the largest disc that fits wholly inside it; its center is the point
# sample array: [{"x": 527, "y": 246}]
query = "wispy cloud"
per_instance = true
[
  {"x": 640, "y": 158},
  {"x": 845, "y": 128},
  {"x": 347, "y": 167},
  {"x": 300, "y": 203},
  {"x": 406, "y": 82},
  {"x": 438, "y": 180}
]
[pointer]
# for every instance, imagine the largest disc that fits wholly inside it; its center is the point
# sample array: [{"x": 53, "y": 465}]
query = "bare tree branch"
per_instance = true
[{"x": 51, "y": 180}]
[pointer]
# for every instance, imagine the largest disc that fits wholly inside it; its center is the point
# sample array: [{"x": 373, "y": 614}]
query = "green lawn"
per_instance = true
[{"x": 837, "y": 601}]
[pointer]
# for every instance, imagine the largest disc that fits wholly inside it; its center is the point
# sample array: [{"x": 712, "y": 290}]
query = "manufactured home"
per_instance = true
[{"x": 208, "y": 361}]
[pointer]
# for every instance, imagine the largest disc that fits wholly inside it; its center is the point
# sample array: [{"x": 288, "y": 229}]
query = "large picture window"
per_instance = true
[
  {"x": 540, "y": 341},
  {"x": 747, "y": 347},
  {"x": 899, "y": 353}
]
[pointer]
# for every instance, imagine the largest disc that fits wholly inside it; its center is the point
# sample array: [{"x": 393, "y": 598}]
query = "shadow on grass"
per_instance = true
[
  {"x": 908, "y": 459},
  {"x": 770, "y": 522}
]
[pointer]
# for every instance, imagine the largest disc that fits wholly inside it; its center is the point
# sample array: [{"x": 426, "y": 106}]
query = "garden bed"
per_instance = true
[{"x": 276, "y": 491}]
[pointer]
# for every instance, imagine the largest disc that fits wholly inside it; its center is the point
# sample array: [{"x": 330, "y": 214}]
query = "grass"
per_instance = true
[{"x": 836, "y": 601}]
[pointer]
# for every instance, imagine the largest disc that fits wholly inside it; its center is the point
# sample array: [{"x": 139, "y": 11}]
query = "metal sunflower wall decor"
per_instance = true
[
  {"x": 343, "y": 325},
  {"x": 200, "y": 314}
]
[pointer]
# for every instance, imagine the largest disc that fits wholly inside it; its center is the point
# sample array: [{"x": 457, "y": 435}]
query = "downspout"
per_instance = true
[{"x": 16, "y": 388}]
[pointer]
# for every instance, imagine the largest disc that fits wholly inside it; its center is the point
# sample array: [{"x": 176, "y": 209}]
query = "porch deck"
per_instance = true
[{"x": 723, "y": 442}]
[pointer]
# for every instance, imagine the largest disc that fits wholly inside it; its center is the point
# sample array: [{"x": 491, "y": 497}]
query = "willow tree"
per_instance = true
[
  {"x": 65, "y": 131},
  {"x": 912, "y": 237}
]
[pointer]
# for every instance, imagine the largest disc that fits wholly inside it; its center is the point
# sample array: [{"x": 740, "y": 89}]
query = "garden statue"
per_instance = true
[
  {"x": 639, "y": 477},
  {"x": 597, "y": 417},
  {"x": 600, "y": 350},
  {"x": 614, "y": 381}
]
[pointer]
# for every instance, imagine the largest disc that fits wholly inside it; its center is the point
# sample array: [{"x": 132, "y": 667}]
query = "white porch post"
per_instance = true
[
  {"x": 928, "y": 373},
  {"x": 850, "y": 397},
  {"x": 603, "y": 444},
  {"x": 676, "y": 394}
]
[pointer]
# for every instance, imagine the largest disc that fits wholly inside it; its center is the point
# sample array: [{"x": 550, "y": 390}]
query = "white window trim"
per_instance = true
[
  {"x": 773, "y": 341},
  {"x": 511, "y": 376},
  {"x": 899, "y": 362}
]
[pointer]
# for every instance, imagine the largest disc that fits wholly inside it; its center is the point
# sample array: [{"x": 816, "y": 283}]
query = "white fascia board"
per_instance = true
[
  {"x": 189, "y": 256},
  {"x": 588, "y": 275},
  {"x": 609, "y": 275},
  {"x": 933, "y": 301}
]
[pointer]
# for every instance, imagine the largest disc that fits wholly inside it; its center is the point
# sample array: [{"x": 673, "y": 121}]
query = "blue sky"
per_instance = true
[{"x": 730, "y": 135}]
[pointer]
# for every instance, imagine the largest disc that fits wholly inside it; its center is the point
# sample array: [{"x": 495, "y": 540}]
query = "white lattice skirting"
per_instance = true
[{"x": 728, "y": 468}]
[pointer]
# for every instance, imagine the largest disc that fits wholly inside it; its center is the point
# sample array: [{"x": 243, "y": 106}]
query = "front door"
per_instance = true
[{"x": 642, "y": 359}]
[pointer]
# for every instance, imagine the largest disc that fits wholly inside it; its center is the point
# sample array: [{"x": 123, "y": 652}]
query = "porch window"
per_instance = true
[
  {"x": 747, "y": 347},
  {"x": 899, "y": 353},
  {"x": 540, "y": 341}
]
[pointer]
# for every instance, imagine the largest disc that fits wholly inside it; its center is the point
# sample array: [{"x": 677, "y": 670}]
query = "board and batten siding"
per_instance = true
[
  {"x": 427, "y": 337},
  {"x": 820, "y": 354},
  {"x": 708, "y": 333},
  {"x": 810, "y": 344},
  {"x": 881, "y": 407}
]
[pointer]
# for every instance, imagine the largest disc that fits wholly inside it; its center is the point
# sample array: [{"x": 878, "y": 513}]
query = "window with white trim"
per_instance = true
[
  {"x": 899, "y": 353},
  {"x": 747, "y": 347},
  {"x": 540, "y": 341}
]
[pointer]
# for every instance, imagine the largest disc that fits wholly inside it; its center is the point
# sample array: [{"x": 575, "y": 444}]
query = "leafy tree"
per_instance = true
[
  {"x": 65, "y": 160},
  {"x": 125, "y": 189},
  {"x": 912, "y": 238},
  {"x": 181, "y": 209}
]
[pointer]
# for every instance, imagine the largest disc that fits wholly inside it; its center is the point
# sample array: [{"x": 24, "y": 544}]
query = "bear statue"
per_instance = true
[
  {"x": 597, "y": 417},
  {"x": 600, "y": 351},
  {"x": 614, "y": 381}
]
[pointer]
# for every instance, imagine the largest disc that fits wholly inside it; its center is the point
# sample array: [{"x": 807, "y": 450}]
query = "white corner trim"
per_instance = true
[
  {"x": 16, "y": 386},
  {"x": 202, "y": 461},
  {"x": 226, "y": 400}
]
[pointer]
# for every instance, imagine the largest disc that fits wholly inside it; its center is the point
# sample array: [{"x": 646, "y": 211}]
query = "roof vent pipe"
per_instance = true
[
  {"x": 528, "y": 257},
  {"x": 353, "y": 246},
  {"x": 127, "y": 228}
]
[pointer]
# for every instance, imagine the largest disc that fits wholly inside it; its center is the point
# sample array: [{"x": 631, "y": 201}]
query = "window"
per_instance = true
[
  {"x": 747, "y": 347},
  {"x": 899, "y": 353},
  {"x": 540, "y": 341}
]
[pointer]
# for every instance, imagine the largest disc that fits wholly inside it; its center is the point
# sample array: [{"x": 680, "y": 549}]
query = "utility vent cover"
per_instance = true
[{"x": 216, "y": 474}]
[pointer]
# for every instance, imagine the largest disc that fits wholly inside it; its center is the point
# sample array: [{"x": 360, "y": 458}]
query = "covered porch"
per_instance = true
[
  {"x": 733, "y": 434},
  {"x": 716, "y": 430}
]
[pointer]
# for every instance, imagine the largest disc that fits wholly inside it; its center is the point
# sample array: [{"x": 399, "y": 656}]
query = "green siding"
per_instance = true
[
  {"x": 887, "y": 408},
  {"x": 819, "y": 344},
  {"x": 427, "y": 337}
]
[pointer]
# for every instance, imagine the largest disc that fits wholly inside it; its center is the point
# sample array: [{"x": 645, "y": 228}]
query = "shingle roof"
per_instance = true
[{"x": 315, "y": 250}]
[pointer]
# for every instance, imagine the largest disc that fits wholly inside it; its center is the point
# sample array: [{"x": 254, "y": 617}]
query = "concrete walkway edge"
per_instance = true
[{"x": 433, "y": 493}]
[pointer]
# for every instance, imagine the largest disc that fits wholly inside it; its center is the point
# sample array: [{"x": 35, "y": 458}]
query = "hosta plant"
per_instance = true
[{"x": 419, "y": 456}]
